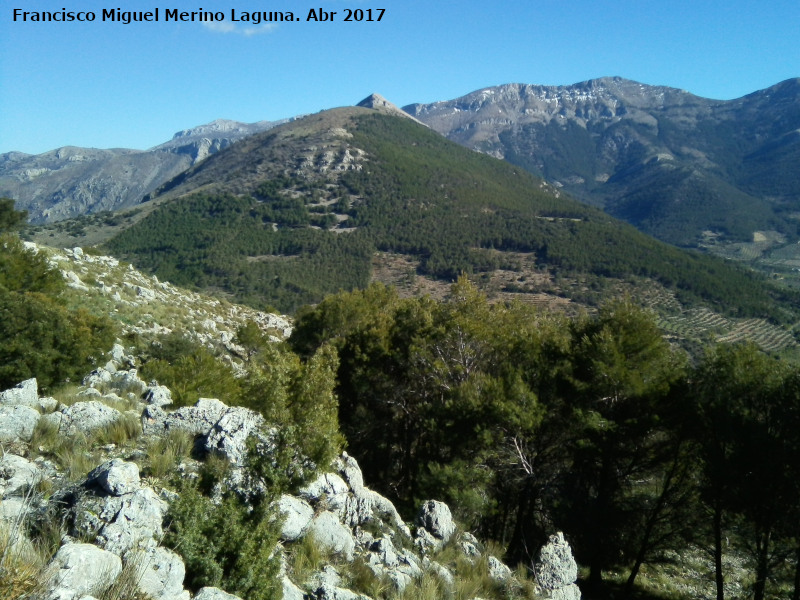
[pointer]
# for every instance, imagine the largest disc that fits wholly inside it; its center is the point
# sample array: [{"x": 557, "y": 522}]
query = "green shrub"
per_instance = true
[
  {"x": 39, "y": 336},
  {"x": 194, "y": 373},
  {"x": 226, "y": 545}
]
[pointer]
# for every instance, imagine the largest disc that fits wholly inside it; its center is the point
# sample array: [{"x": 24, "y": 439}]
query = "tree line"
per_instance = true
[{"x": 526, "y": 422}]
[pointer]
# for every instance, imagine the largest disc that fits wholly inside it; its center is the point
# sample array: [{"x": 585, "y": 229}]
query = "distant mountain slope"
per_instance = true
[
  {"x": 324, "y": 203},
  {"x": 671, "y": 163},
  {"x": 72, "y": 181}
]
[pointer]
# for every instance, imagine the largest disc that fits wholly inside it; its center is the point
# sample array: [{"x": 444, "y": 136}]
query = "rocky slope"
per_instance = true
[
  {"x": 110, "y": 519},
  {"x": 671, "y": 163},
  {"x": 70, "y": 181},
  {"x": 91, "y": 480}
]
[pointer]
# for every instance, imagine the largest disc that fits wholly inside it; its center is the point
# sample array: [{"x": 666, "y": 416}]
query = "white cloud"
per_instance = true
[{"x": 226, "y": 27}]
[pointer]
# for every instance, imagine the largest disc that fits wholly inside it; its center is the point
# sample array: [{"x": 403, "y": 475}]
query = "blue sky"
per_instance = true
[{"x": 105, "y": 84}]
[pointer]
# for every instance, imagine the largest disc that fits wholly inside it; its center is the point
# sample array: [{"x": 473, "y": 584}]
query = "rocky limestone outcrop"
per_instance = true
[
  {"x": 25, "y": 393},
  {"x": 17, "y": 423},
  {"x": 436, "y": 525},
  {"x": 556, "y": 570},
  {"x": 83, "y": 569},
  {"x": 83, "y": 417},
  {"x": 115, "y": 519}
]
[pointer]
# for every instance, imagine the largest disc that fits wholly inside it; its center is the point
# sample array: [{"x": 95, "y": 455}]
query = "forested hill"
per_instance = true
[{"x": 326, "y": 202}]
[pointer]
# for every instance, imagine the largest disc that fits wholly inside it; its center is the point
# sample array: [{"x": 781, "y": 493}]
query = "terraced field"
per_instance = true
[{"x": 707, "y": 326}]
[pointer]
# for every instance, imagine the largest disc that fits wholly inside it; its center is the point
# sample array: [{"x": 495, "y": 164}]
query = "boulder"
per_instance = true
[
  {"x": 384, "y": 509},
  {"x": 23, "y": 394},
  {"x": 228, "y": 436},
  {"x": 117, "y": 477},
  {"x": 17, "y": 475},
  {"x": 297, "y": 515},
  {"x": 90, "y": 392},
  {"x": 409, "y": 564},
  {"x": 327, "y": 577},
  {"x": 351, "y": 472},
  {"x": 197, "y": 419},
  {"x": 329, "y": 533},
  {"x": 100, "y": 377},
  {"x": 469, "y": 545},
  {"x": 570, "y": 592},
  {"x": 83, "y": 417},
  {"x": 212, "y": 593},
  {"x": 385, "y": 552},
  {"x": 498, "y": 571},
  {"x": 328, "y": 487},
  {"x": 556, "y": 569},
  {"x": 160, "y": 574},
  {"x": 17, "y": 423},
  {"x": 436, "y": 518},
  {"x": 442, "y": 572},
  {"x": 290, "y": 591},
  {"x": 158, "y": 395},
  {"x": 118, "y": 355},
  {"x": 129, "y": 521},
  {"x": 337, "y": 593},
  {"x": 48, "y": 404},
  {"x": 13, "y": 510},
  {"x": 83, "y": 569},
  {"x": 129, "y": 381}
]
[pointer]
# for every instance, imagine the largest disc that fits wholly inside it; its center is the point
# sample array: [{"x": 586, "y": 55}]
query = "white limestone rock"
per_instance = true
[
  {"x": 83, "y": 417},
  {"x": 83, "y": 569},
  {"x": 290, "y": 591},
  {"x": 229, "y": 435},
  {"x": 332, "y": 535},
  {"x": 197, "y": 419},
  {"x": 157, "y": 395},
  {"x": 297, "y": 515},
  {"x": 17, "y": 475},
  {"x": 116, "y": 476},
  {"x": 17, "y": 423},
  {"x": 212, "y": 593},
  {"x": 436, "y": 518},
  {"x": 498, "y": 571},
  {"x": 13, "y": 509},
  {"x": 129, "y": 521},
  {"x": 129, "y": 381},
  {"x": 98, "y": 378},
  {"x": 384, "y": 509},
  {"x": 160, "y": 574},
  {"x": 23, "y": 394},
  {"x": 556, "y": 570}
]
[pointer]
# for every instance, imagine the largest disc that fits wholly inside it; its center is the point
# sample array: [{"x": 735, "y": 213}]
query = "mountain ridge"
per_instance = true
[
  {"x": 610, "y": 130},
  {"x": 71, "y": 181}
]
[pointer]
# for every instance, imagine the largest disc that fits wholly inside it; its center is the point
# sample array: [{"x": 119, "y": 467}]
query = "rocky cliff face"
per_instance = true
[{"x": 70, "y": 181}]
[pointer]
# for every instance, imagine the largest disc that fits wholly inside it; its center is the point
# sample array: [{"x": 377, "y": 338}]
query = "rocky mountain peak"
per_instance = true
[{"x": 378, "y": 102}]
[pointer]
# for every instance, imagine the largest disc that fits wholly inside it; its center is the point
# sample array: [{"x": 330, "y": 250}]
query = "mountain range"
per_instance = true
[
  {"x": 349, "y": 196},
  {"x": 70, "y": 181},
  {"x": 677, "y": 166},
  {"x": 688, "y": 170}
]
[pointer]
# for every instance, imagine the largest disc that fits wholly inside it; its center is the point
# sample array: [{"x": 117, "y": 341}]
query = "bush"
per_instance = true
[
  {"x": 225, "y": 545},
  {"x": 40, "y": 338},
  {"x": 191, "y": 373}
]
